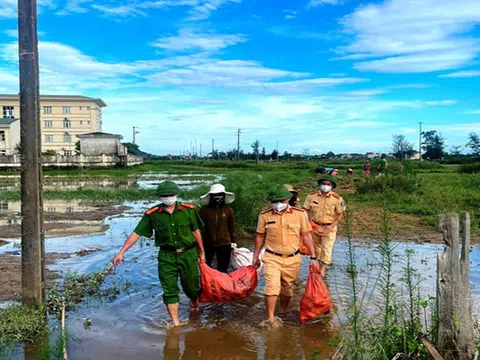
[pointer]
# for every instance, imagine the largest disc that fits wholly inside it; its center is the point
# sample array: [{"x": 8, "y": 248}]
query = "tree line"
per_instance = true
[{"x": 433, "y": 146}]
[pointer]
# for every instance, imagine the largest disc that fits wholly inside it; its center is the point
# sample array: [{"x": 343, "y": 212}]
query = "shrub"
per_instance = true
[
  {"x": 469, "y": 168},
  {"x": 396, "y": 169},
  {"x": 400, "y": 183}
]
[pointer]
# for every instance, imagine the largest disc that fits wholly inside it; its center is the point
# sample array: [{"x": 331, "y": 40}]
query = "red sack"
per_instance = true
[
  {"x": 316, "y": 301},
  {"x": 218, "y": 287}
]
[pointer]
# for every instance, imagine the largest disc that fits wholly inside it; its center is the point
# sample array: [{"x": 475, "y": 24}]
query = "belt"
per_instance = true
[
  {"x": 283, "y": 255},
  {"x": 322, "y": 224},
  {"x": 175, "y": 250}
]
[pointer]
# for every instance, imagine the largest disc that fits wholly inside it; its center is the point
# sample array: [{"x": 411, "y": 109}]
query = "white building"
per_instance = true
[{"x": 9, "y": 135}]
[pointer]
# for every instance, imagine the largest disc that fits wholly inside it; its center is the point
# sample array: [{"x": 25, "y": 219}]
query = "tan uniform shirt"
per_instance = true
[
  {"x": 283, "y": 229},
  {"x": 324, "y": 209}
]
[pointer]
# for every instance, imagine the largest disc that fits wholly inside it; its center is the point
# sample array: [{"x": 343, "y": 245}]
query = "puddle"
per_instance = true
[
  {"x": 133, "y": 326},
  {"x": 145, "y": 181}
]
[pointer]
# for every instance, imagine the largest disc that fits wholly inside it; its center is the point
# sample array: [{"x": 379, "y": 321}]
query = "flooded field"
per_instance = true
[
  {"x": 133, "y": 326},
  {"x": 88, "y": 234}
]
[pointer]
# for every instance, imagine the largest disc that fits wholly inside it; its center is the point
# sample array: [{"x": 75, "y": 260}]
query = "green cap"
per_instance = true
[
  {"x": 167, "y": 188},
  {"x": 330, "y": 178},
  {"x": 278, "y": 192}
]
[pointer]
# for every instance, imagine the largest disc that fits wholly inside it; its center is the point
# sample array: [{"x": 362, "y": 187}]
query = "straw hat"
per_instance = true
[
  {"x": 218, "y": 189},
  {"x": 291, "y": 189}
]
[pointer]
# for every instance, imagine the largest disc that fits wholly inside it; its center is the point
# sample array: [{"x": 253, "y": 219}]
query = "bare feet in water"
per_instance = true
[{"x": 274, "y": 323}]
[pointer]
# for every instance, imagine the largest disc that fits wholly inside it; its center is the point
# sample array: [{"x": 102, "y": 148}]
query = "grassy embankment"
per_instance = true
[{"x": 415, "y": 192}]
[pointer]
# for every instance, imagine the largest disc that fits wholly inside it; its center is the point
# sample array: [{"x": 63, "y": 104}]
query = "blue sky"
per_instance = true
[{"x": 323, "y": 75}]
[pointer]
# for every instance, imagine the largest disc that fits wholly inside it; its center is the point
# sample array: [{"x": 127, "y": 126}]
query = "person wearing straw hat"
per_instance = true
[
  {"x": 325, "y": 208},
  {"x": 294, "y": 200},
  {"x": 176, "y": 227},
  {"x": 219, "y": 230},
  {"x": 280, "y": 228}
]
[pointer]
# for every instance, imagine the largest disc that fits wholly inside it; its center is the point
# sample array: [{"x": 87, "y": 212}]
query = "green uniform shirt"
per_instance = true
[{"x": 171, "y": 230}]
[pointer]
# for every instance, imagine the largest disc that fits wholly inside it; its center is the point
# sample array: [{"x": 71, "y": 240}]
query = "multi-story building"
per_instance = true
[
  {"x": 62, "y": 117},
  {"x": 9, "y": 135}
]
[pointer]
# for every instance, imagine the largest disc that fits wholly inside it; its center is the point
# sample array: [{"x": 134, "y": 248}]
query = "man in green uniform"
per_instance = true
[{"x": 177, "y": 232}]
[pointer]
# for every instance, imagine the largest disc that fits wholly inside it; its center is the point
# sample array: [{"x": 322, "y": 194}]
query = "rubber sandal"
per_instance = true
[{"x": 194, "y": 307}]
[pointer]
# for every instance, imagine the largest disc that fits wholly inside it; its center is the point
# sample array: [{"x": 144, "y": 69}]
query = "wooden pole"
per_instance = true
[
  {"x": 33, "y": 269},
  {"x": 456, "y": 339}
]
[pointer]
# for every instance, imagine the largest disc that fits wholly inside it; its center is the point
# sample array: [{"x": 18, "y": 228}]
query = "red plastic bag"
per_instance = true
[
  {"x": 316, "y": 301},
  {"x": 218, "y": 287}
]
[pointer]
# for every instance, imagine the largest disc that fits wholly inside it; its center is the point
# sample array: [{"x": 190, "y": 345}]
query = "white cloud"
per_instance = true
[
  {"x": 462, "y": 74},
  {"x": 473, "y": 112},
  {"x": 119, "y": 11},
  {"x": 367, "y": 92},
  {"x": 187, "y": 39},
  {"x": 408, "y": 36},
  {"x": 290, "y": 14},
  {"x": 11, "y": 33},
  {"x": 75, "y": 6},
  {"x": 314, "y": 3},
  {"x": 204, "y": 8}
]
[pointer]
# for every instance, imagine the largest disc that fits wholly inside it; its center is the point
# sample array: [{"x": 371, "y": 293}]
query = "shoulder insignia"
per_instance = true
[
  {"x": 298, "y": 209},
  {"x": 335, "y": 195},
  {"x": 187, "y": 205},
  {"x": 152, "y": 210},
  {"x": 265, "y": 211},
  {"x": 313, "y": 193}
]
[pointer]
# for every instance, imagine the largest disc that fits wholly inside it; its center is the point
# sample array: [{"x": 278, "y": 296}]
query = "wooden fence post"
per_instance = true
[{"x": 456, "y": 339}]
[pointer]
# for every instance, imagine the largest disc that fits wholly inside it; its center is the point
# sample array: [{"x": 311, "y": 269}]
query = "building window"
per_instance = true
[
  {"x": 69, "y": 209},
  {"x": 81, "y": 122},
  {"x": 4, "y": 206},
  {"x": 2, "y": 135},
  {"x": 67, "y": 123},
  {"x": 8, "y": 112},
  {"x": 67, "y": 137},
  {"x": 67, "y": 152},
  {"x": 47, "y": 109},
  {"x": 51, "y": 209},
  {"x": 48, "y": 124},
  {"x": 80, "y": 108},
  {"x": 66, "y": 109},
  {"x": 88, "y": 107},
  {"x": 48, "y": 138},
  {"x": 3, "y": 152}
]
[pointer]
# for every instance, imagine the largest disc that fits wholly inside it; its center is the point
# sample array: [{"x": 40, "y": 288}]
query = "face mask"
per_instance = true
[
  {"x": 326, "y": 188},
  {"x": 217, "y": 199},
  {"x": 169, "y": 200},
  {"x": 279, "y": 206}
]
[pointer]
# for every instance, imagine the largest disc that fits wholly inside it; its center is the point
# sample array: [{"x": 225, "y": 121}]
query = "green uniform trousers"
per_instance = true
[{"x": 172, "y": 265}]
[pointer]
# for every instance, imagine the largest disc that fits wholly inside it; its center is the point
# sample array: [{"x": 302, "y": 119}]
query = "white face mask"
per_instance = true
[
  {"x": 279, "y": 206},
  {"x": 169, "y": 200},
  {"x": 326, "y": 188}
]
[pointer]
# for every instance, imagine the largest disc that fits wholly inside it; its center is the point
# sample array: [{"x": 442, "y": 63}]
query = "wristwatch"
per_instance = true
[{"x": 313, "y": 258}]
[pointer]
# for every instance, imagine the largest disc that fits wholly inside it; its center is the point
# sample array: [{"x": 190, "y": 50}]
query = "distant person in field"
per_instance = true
[
  {"x": 382, "y": 166},
  {"x": 294, "y": 200},
  {"x": 280, "y": 229},
  {"x": 176, "y": 227},
  {"x": 367, "y": 167},
  {"x": 349, "y": 173},
  {"x": 325, "y": 208},
  {"x": 219, "y": 230}
]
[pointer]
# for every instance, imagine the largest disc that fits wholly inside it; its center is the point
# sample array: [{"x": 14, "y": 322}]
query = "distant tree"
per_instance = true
[
  {"x": 433, "y": 145},
  {"x": 131, "y": 147},
  {"x": 306, "y": 152},
  {"x": 456, "y": 150},
  {"x": 18, "y": 148},
  {"x": 401, "y": 148},
  {"x": 286, "y": 155},
  {"x": 263, "y": 154},
  {"x": 274, "y": 154},
  {"x": 474, "y": 144},
  {"x": 330, "y": 155},
  {"x": 77, "y": 147},
  {"x": 256, "y": 149}
]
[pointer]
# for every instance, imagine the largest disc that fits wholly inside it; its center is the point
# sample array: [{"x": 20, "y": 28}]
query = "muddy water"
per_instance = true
[{"x": 133, "y": 326}]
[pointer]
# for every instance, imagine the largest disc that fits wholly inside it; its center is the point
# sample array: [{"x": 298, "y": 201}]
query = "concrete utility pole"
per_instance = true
[
  {"x": 420, "y": 142},
  {"x": 135, "y": 132},
  {"x": 239, "y": 132},
  {"x": 33, "y": 246}
]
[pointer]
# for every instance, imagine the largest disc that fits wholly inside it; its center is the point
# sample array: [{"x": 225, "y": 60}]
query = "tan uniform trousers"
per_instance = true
[
  {"x": 324, "y": 245},
  {"x": 280, "y": 274}
]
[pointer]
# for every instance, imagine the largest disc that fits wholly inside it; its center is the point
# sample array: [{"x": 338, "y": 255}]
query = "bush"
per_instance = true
[
  {"x": 400, "y": 183},
  {"x": 470, "y": 168},
  {"x": 49, "y": 153},
  {"x": 396, "y": 169}
]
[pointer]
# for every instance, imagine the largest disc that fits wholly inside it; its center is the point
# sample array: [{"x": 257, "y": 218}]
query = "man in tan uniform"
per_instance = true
[
  {"x": 325, "y": 208},
  {"x": 280, "y": 229}
]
